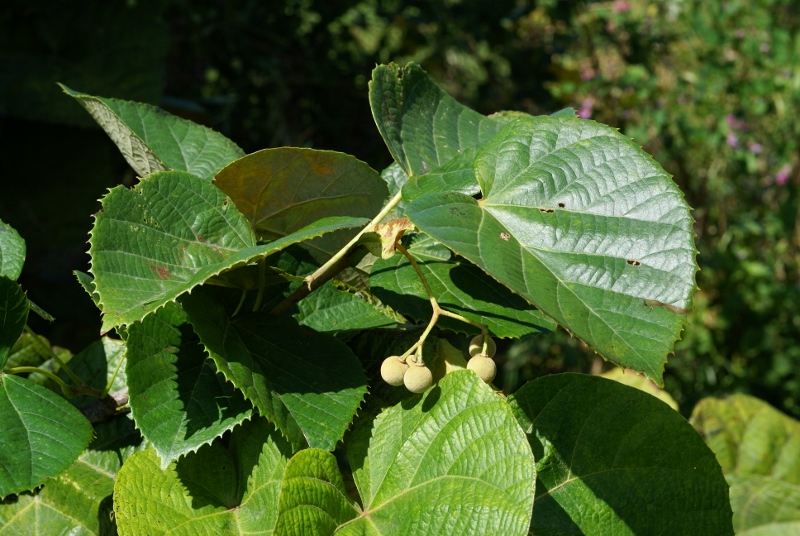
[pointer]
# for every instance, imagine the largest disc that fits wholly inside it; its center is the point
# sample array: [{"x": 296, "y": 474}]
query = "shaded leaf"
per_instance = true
[
  {"x": 582, "y": 223},
  {"x": 28, "y": 352},
  {"x": 100, "y": 365},
  {"x": 42, "y": 434},
  {"x": 78, "y": 500},
  {"x": 218, "y": 490},
  {"x": 332, "y": 309},
  {"x": 759, "y": 450},
  {"x": 423, "y": 126},
  {"x": 12, "y": 252},
  {"x": 178, "y": 399},
  {"x": 313, "y": 496},
  {"x": 451, "y": 461},
  {"x": 282, "y": 190},
  {"x": 170, "y": 233},
  {"x": 308, "y": 383},
  {"x": 460, "y": 287},
  {"x": 152, "y": 140},
  {"x": 13, "y": 316},
  {"x": 611, "y": 459},
  {"x": 86, "y": 281},
  {"x": 457, "y": 175}
]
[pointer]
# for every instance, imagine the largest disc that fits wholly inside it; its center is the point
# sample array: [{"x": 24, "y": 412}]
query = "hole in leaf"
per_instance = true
[
  {"x": 633, "y": 262},
  {"x": 546, "y": 210},
  {"x": 225, "y": 203},
  {"x": 562, "y": 205}
]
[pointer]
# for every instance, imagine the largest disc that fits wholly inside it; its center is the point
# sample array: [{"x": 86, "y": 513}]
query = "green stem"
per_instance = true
[
  {"x": 111, "y": 380},
  {"x": 75, "y": 379},
  {"x": 342, "y": 252},
  {"x": 262, "y": 275},
  {"x": 64, "y": 387},
  {"x": 241, "y": 302}
]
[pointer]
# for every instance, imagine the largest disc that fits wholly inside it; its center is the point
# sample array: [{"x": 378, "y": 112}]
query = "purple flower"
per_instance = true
[
  {"x": 585, "y": 111},
  {"x": 732, "y": 140},
  {"x": 621, "y": 7},
  {"x": 782, "y": 177},
  {"x": 755, "y": 147},
  {"x": 734, "y": 123}
]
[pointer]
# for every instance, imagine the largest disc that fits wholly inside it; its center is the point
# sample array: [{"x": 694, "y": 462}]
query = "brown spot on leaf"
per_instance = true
[
  {"x": 161, "y": 272},
  {"x": 505, "y": 236},
  {"x": 562, "y": 204},
  {"x": 633, "y": 262},
  {"x": 546, "y": 210}
]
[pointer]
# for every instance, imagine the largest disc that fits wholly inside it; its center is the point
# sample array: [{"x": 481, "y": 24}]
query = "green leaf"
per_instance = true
[
  {"x": 759, "y": 450},
  {"x": 450, "y": 461},
  {"x": 612, "y": 459},
  {"x": 218, "y": 490},
  {"x": 170, "y": 233},
  {"x": 42, "y": 434},
  {"x": 333, "y": 309},
  {"x": 12, "y": 252},
  {"x": 86, "y": 281},
  {"x": 152, "y": 140},
  {"x": 78, "y": 500},
  {"x": 13, "y": 316},
  {"x": 583, "y": 224},
  {"x": 423, "y": 126},
  {"x": 460, "y": 287},
  {"x": 313, "y": 497},
  {"x": 178, "y": 399},
  {"x": 101, "y": 362},
  {"x": 309, "y": 384},
  {"x": 457, "y": 175},
  {"x": 28, "y": 352},
  {"x": 282, "y": 190}
]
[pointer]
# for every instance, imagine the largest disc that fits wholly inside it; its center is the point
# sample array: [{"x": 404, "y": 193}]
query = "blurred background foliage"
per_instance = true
[{"x": 711, "y": 88}]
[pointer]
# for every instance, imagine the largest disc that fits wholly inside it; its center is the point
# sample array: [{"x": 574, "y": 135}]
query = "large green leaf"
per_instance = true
[
  {"x": 152, "y": 140},
  {"x": 582, "y": 223},
  {"x": 423, "y": 126},
  {"x": 308, "y": 383},
  {"x": 12, "y": 252},
  {"x": 313, "y": 497},
  {"x": 612, "y": 459},
  {"x": 178, "y": 399},
  {"x": 13, "y": 316},
  {"x": 170, "y": 233},
  {"x": 460, "y": 287},
  {"x": 759, "y": 450},
  {"x": 282, "y": 190},
  {"x": 41, "y": 434},
  {"x": 218, "y": 490},
  {"x": 29, "y": 352},
  {"x": 333, "y": 309},
  {"x": 451, "y": 461},
  {"x": 77, "y": 501}
]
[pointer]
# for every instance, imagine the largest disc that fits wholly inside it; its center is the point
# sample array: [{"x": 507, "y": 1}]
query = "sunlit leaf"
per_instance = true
[
  {"x": 78, "y": 501},
  {"x": 222, "y": 489},
  {"x": 170, "y": 233},
  {"x": 42, "y": 434},
  {"x": 759, "y": 450},
  {"x": 583, "y": 224},
  {"x": 152, "y": 140},
  {"x": 12, "y": 252},
  {"x": 178, "y": 399}
]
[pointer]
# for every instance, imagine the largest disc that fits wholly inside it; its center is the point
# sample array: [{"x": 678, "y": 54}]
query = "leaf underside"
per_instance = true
[
  {"x": 152, "y": 140},
  {"x": 12, "y": 252},
  {"x": 14, "y": 309}
]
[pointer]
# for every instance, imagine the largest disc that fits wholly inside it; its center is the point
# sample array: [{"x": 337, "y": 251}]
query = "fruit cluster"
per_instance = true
[{"x": 412, "y": 372}]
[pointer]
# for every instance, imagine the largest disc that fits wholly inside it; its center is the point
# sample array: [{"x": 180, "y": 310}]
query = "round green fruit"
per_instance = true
[
  {"x": 476, "y": 346},
  {"x": 418, "y": 378},
  {"x": 393, "y": 370},
  {"x": 484, "y": 366}
]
